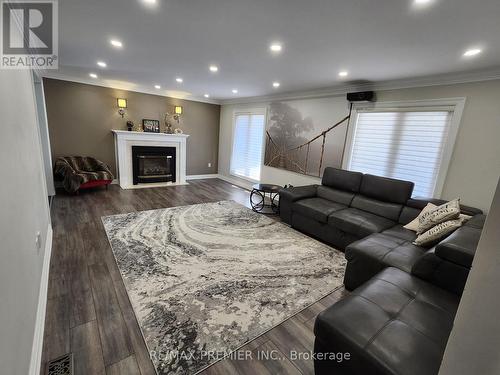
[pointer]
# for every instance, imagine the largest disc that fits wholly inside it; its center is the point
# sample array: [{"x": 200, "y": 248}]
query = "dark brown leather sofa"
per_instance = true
[{"x": 404, "y": 297}]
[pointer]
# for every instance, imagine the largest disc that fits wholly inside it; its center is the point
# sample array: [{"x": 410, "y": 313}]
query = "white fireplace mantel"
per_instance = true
[{"x": 124, "y": 140}]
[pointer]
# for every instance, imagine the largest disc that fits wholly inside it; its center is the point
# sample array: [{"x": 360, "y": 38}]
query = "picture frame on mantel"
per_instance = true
[{"x": 151, "y": 126}]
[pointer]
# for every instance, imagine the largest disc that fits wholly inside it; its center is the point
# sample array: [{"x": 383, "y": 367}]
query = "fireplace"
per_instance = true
[
  {"x": 153, "y": 164},
  {"x": 126, "y": 161}
]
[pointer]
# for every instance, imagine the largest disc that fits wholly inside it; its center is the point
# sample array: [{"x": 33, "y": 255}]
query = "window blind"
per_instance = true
[
  {"x": 404, "y": 145},
  {"x": 246, "y": 158}
]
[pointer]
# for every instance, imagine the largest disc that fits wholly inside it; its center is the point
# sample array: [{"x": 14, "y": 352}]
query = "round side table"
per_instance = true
[{"x": 258, "y": 198}]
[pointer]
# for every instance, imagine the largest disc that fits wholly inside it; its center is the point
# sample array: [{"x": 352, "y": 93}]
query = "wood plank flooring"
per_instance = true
[{"x": 88, "y": 310}]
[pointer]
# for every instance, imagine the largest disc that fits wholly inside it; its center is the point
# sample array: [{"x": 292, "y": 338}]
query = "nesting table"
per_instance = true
[{"x": 258, "y": 199}]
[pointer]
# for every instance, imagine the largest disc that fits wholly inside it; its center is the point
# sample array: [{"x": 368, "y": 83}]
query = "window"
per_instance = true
[
  {"x": 410, "y": 144},
  {"x": 248, "y": 136}
]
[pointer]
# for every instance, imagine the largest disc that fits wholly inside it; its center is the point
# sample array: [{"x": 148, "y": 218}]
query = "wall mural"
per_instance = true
[{"x": 306, "y": 136}]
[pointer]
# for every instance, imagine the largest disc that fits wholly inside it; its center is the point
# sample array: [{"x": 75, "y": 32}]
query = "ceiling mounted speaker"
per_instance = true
[{"x": 362, "y": 96}]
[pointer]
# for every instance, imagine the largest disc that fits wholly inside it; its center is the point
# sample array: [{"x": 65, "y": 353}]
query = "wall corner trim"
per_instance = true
[{"x": 36, "y": 351}]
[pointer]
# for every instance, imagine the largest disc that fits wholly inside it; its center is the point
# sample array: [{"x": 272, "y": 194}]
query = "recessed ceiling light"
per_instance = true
[
  {"x": 472, "y": 52},
  {"x": 422, "y": 2},
  {"x": 234, "y": 91},
  {"x": 343, "y": 73},
  {"x": 102, "y": 64},
  {"x": 276, "y": 47},
  {"x": 157, "y": 87},
  {"x": 179, "y": 80},
  {"x": 116, "y": 43},
  {"x": 206, "y": 96},
  {"x": 276, "y": 84},
  {"x": 214, "y": 68},
  {"x": 149, "y": 2},
  {"x": 93, "y": 75}
]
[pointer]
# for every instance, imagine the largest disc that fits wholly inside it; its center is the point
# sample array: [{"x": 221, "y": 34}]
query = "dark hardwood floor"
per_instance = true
[{"x": 88, "y": 310}]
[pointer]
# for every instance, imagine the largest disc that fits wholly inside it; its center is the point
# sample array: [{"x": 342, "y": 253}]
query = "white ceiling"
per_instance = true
[{"x": 375, "y": 40}]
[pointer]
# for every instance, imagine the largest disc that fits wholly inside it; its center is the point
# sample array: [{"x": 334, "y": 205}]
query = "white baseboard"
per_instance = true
[
  {"x": 190, "y": 177},
  {"x": 36, "y": 350},
  {"x": 201, "y": 176},
  {"x": 155, "y": 184}
]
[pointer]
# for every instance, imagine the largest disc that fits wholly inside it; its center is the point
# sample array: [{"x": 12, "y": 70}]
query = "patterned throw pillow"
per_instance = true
[
  {"x": 445, "y": 212},
  {"x": 437, "y": 232},
  {"x": 413, "y": 225}
]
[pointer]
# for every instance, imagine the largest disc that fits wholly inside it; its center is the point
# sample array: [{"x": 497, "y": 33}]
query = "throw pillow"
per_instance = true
[
  {"x": 464, "y": 217},
  {"x": 445, "y": 212},
  {"x": 413, "y": 225},
  {"x": 437, "y": 232}
]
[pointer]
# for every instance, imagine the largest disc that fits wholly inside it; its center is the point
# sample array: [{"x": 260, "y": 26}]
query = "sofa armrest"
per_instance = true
[
  {"x": 440, "y": 272},
  {"x": 293, "y": 194},
  {"x": 460, "y": 246},
  {"x": 63, "y": 169},
  {"x": 476, "y": 221}
]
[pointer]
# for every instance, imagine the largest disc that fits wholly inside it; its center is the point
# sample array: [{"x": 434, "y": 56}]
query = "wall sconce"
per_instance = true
[
  {"x": 177, "y": 112},
  {"x": 122, "y": 104}
]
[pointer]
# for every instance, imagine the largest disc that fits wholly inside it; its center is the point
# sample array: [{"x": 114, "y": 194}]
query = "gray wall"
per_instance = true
[
  {"x": 475, "y": 163},
  {"x": 44, "y": 134},
  {"x": 473, "y": 346},
  {"x": 81, "y": 117},
  {"x": 24, "y": 212}
]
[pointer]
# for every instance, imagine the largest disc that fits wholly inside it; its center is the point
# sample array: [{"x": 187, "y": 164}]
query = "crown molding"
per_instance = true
[
  {"x": 435, "y": 80},
  {"x": 139, "y": 89}
]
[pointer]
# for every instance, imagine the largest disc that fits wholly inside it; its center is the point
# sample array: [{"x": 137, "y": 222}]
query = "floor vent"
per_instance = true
[{"x": 61, "y": 366}]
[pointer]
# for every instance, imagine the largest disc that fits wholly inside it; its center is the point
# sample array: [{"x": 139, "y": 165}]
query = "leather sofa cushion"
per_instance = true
[
  {"x": 385, "y": 209},
  {"x": 342, "y": 179},
  {"x": 335, "y": 195},
  {"x": 460, "y": 246},
  {"x": 401, "y": 232},
  {"x": 370, "y": 255},
  {"x": 408, "y": 214},
  {"x": 359, "y": 223},
  {"x": 386, "y": 189},
  {"x": 395, "y": 323},
  {"x": 317, "y": 208},
  {"x": 381, "y": 250}
]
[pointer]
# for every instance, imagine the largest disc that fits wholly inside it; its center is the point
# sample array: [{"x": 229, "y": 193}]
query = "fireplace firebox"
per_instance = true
[{"x": 153, "y": 164}]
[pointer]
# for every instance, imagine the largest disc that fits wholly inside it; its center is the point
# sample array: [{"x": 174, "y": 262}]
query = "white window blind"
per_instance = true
[
  {"x": 407, "y": 145},
  {"x": 246, "y": 158}
]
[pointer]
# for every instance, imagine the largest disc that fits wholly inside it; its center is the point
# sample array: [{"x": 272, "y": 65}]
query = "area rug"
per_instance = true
[{"x": 205, "y": 279}]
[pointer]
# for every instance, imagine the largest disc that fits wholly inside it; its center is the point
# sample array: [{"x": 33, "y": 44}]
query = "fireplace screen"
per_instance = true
[{"x": 153, "y": 164}]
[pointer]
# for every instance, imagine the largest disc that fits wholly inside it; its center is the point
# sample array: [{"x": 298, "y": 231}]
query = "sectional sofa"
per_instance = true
[{"x": 399, "y": 315}]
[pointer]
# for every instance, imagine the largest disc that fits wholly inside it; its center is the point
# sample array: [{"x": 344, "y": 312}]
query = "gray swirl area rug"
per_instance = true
[{"x": 205, "y": 279}]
